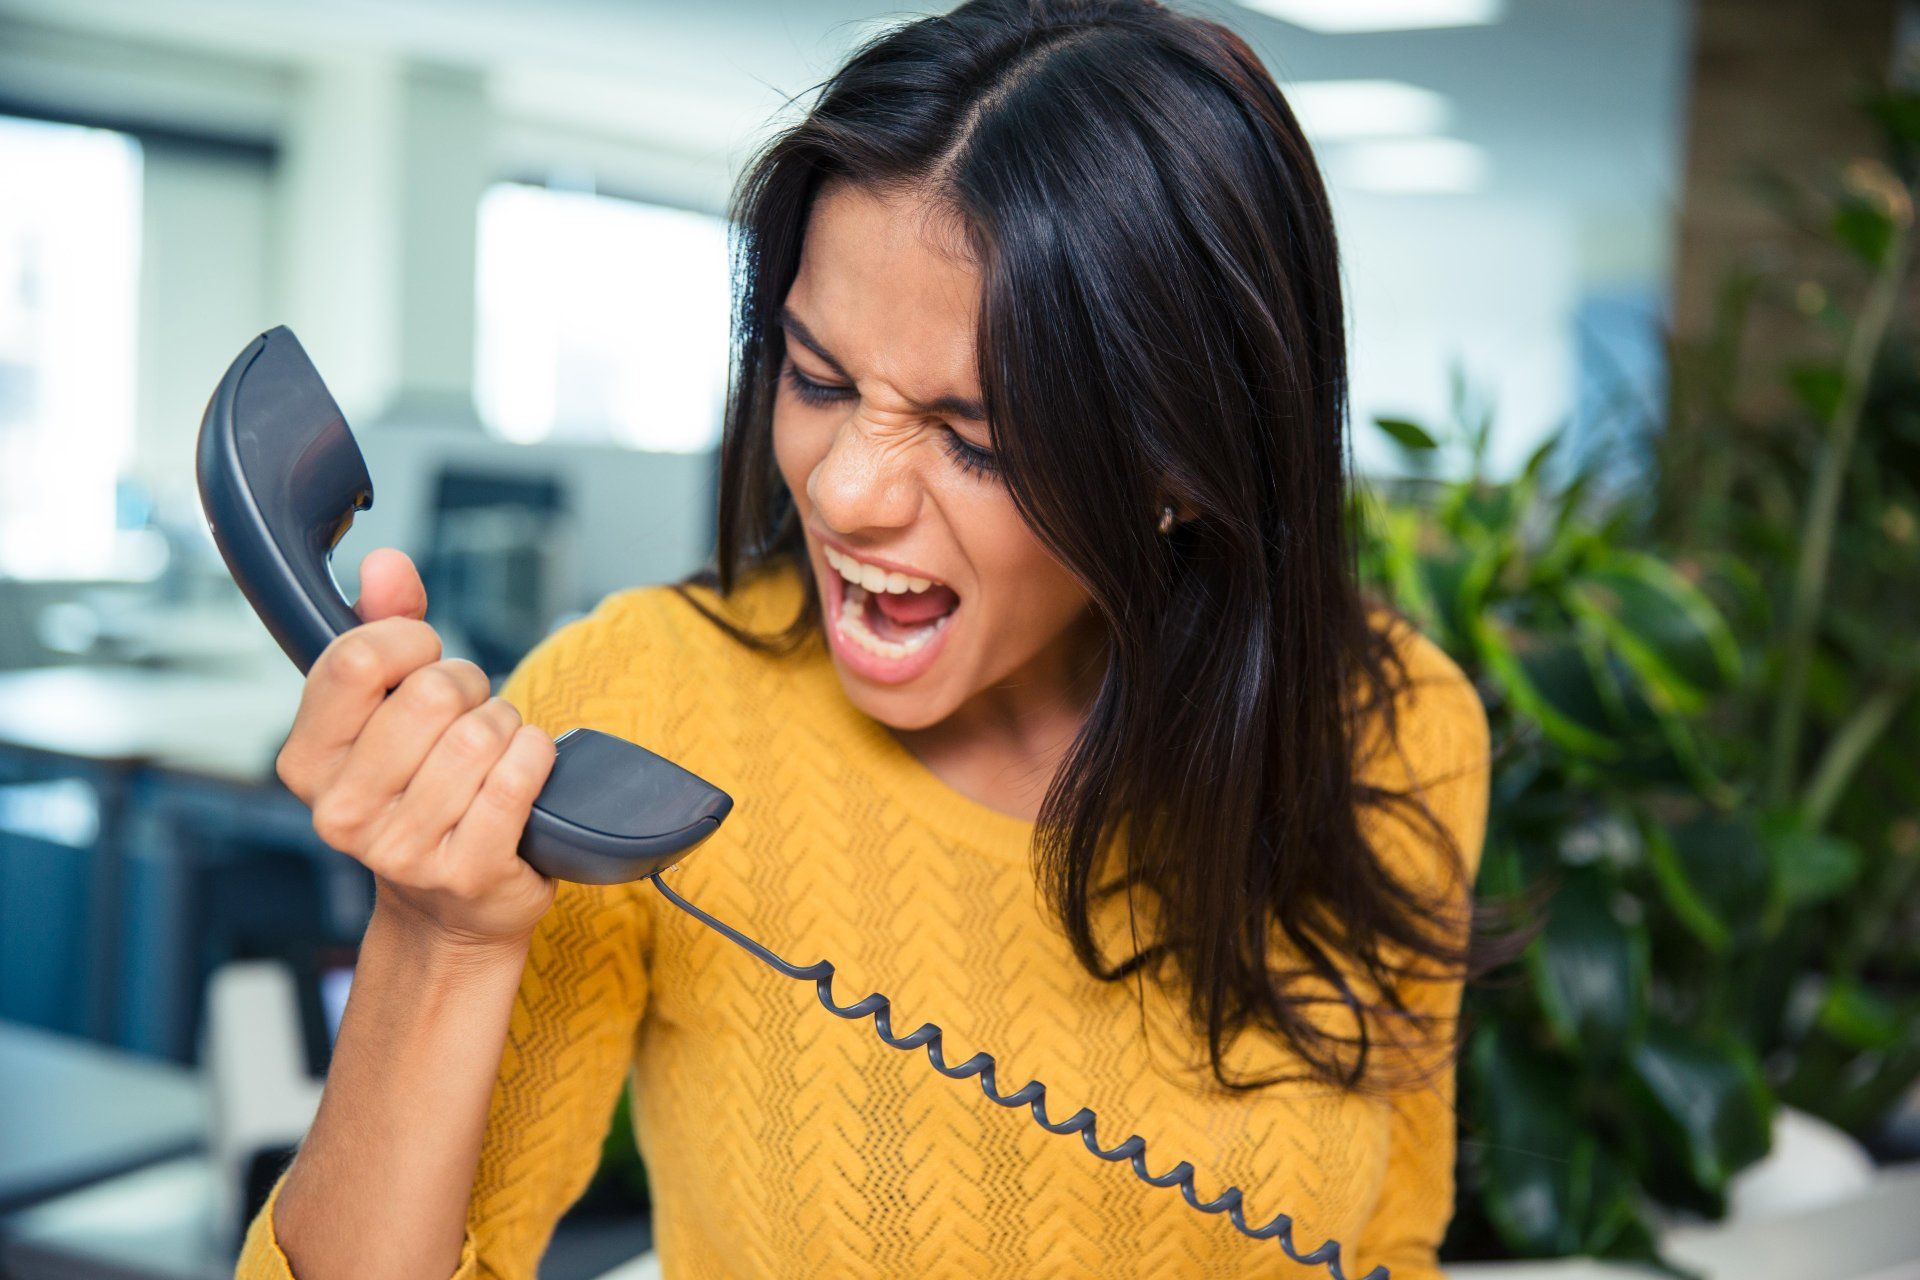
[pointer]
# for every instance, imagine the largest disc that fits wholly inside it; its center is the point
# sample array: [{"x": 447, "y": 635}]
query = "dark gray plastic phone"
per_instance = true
[{"x": 280, "y": 479}]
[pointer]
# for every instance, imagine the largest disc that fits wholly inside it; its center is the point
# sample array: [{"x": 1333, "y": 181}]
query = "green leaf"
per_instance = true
[
  {"x": 1589, "y": 970},
  {"x": 1532, "y": 1140},
  {"x": 1616, "y": 1222},
  {"x": 1490, "y": 508},
  {"x": 1621, "y": 690},
  {"x": 1715, "y": 873},
  {"x": 1549, "y": 1187},
  {"x": 1550, "y": 682},
  {"x": 1860, "y": 1018},
  {"x": 1708, "y": 1101},
  {"x": 1408, "y": 435},
  {"x": 1810, "y": 867},
  {"x": 1819, "y": 387},
  {"x": 1898, "y": 112},
  {"x": 1442, "y": 580},
  {"x": 1665, "y": 628},
  {"x": 1537, "y": 460},
  {"x": 1864, "y": 229}
]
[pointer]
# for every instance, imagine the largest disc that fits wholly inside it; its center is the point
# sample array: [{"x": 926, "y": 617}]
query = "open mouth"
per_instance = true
[{"x": 887, "y": 616}]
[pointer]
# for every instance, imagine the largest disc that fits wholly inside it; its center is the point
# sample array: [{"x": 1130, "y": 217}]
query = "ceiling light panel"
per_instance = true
[
  {"x": 1342, "y": 17},
  {"x": 1410, "y": 166},
  {"x": 1335, "y": 110}
]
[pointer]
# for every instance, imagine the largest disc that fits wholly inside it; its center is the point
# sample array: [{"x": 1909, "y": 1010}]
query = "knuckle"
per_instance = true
[
  {"x": 474, "y": 739},
  {"x": 469, "y": 675},
  {"x": 514, "y": 784},
  {"x": 417, "y": 635},
  {"x": 437, "y": 691},
  {"x": 392, "y": 859},
  {"x": 336, "y": 819},
  {"x": 355, "y": 659}
]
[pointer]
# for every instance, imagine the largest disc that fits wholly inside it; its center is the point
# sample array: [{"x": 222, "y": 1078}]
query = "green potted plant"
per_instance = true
[{"x": 1706, "y": 715}]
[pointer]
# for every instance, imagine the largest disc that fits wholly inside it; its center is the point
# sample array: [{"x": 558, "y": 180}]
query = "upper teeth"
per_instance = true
[{"x": 873, "y": 577}]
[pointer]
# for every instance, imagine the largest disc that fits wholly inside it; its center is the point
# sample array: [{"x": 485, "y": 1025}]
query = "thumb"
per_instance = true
[{"x": 390, "y": 587}]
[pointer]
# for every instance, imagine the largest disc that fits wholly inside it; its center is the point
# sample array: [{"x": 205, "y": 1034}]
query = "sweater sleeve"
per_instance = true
[
  {"x": 570, "y": 1041},
  {"x": 1444, "y": 738}
]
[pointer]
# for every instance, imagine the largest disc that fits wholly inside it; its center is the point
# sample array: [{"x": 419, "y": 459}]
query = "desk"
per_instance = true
[
  {"x": 157, "y": 1224},
  {"x": 72, "y": 1112},
  {"x": 227, "y": 727},
  {"x": 111, "y": 728}
]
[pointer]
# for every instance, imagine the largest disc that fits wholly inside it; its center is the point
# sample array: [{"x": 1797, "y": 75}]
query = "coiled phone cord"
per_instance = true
[{"x": 1033, "y": 1094}]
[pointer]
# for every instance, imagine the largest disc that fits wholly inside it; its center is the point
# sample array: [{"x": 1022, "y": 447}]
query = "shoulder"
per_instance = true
[
  {"x": 1435, "y": 747},
  {"x": 1440, "y": 720}
]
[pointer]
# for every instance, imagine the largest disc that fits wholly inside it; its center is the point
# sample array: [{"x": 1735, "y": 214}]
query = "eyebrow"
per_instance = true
[{"x": 961, "y": 407}]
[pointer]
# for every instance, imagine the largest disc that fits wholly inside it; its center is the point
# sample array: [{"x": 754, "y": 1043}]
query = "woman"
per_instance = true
[{"x": 1034, "y": 658}]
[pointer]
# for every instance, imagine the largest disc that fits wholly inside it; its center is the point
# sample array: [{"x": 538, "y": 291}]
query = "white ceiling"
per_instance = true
[{"x": 1573, "y": 101}]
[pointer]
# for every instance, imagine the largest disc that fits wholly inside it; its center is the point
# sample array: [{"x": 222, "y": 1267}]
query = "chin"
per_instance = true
[{"x": 900, "y": 709}]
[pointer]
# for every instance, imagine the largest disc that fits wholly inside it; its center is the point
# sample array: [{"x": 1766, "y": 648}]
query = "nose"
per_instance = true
[{"x": 867, "y": 479}]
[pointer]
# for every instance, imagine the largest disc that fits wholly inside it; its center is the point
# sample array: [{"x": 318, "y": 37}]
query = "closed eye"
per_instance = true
[
  {"x": 971, "y": 458},
  {"x": 811, "y": 392}
]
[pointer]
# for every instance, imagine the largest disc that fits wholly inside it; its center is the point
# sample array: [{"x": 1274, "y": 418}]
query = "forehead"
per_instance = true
[{"x": 885, "y": 283}]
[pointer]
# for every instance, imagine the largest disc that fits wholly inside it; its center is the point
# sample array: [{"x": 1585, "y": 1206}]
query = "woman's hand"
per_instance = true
[{"x": 429, "y": 785}]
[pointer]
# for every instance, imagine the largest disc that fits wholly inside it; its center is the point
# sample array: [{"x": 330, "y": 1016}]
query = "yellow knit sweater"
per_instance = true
[{"x": 781, "y": 1141}]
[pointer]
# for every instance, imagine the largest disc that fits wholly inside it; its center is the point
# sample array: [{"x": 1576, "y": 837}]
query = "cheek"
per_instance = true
[
  {"x": 1031, "y": 589},
  {"x": 798, "y": 446}
]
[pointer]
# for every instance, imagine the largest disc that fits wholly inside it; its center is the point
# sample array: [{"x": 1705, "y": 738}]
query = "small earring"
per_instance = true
[{"x": 1166, "y": 521}]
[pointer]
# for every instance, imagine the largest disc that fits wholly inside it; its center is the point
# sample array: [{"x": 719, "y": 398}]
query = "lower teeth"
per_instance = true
[{"x": 853, "y": 625}]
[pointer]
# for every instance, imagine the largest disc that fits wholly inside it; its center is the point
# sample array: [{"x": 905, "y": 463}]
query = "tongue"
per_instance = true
[{"x": 917, "y": 608}]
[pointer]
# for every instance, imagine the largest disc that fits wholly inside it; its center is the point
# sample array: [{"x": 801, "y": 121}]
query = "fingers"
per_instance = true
[
  {"x": 390, "y": 587},
  {"x": 348, "y": 683},
  {"x": 390, "y": 749},
  {"x": 499, "y": 812},
  {"x": 446, "y": 783}
]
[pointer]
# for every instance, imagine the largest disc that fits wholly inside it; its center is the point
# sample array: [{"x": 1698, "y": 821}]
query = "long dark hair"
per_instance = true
[{"x": 1161, "y": 321}]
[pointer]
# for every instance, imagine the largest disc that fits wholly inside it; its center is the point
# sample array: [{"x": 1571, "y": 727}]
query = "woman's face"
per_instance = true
[{"x": 880, "y": 434}]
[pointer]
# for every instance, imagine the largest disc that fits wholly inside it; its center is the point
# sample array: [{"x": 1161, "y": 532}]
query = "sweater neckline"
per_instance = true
[
  {"x": 924, "y": 792},
  {"x": 768, "y": 600}
]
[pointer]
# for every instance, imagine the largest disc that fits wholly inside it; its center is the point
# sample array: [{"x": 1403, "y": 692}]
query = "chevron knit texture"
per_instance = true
[{"x": 783, "y": 1142}]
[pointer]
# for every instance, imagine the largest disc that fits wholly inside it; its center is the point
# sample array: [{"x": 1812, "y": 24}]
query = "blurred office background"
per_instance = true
[{"x": 498, "y": 228}]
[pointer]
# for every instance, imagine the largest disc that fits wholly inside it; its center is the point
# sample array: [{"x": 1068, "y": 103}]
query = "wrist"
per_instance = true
[{"x": 403, "y": 930}]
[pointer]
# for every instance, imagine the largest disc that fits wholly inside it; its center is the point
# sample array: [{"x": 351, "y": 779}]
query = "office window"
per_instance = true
[
  {"x": 600, "y": 319},
  {"x": 69, "y": 283}
]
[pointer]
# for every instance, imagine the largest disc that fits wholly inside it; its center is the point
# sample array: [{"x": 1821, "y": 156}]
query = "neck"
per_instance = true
[{"x": 1005, "y": 744}]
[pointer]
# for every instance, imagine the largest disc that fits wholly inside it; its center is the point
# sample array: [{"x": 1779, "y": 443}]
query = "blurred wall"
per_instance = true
[
  {"x": 335, "y": 192},
  {"x": 1775, "y": 95},
  {"x": 207, "y": 275},
  {"x": 208, "y": 269}
]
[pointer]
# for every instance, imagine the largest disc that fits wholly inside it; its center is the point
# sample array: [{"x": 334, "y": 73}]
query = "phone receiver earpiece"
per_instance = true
[{"x": 280, "y": 479}]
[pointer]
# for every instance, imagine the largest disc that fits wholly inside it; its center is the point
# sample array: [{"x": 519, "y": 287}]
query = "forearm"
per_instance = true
[{"x": 381, "y": 1185}]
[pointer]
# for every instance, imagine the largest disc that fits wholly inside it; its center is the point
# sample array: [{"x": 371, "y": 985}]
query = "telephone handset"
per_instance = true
[{"x": 281, "y": 477}]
